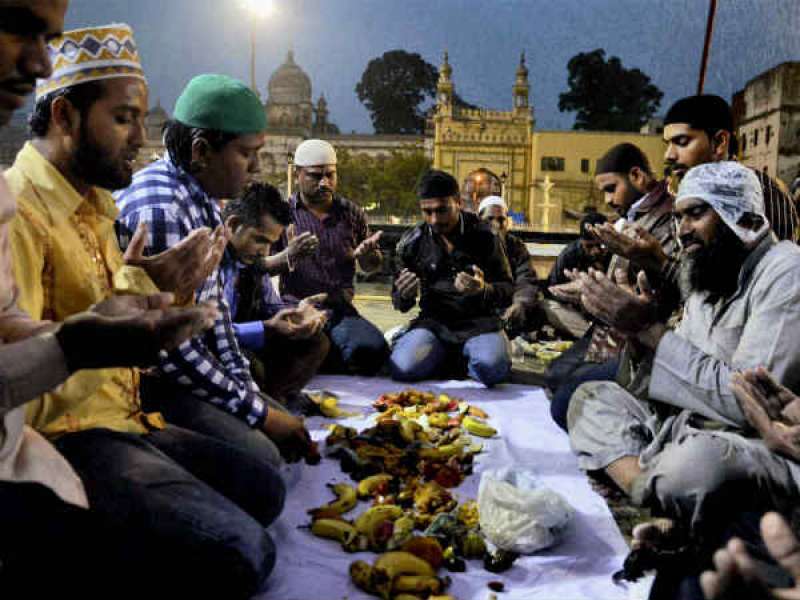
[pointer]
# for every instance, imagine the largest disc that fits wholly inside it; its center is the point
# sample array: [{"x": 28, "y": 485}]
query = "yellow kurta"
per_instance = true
[{"x": 66, "y": 258}]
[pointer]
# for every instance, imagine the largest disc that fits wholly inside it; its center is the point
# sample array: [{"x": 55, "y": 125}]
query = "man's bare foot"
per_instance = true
[{"x": 660, "y": 533}]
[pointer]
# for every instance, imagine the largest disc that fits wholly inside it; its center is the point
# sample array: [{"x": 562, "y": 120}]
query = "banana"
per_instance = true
[
  {"x": 478, "y": 427},
  {"x": 375, "y": 514},
  {"x": 474, "y": 411},
  {"x": 346, "y": 500},
  {"x": 334, "y": 529},
  {"x": 368, "y": 524},
  {"x": 367, "y": 486},
  {"x": 330, "y": 408},
  {"x": 417, "y": 584},
  {"x": 403, "y": 531},
  {"x": 409, "y": 430},
  {"x": 361, "y": 574},
  {"x": 439, "y": 420},
  {"x": 442, "y": 452},
  {"x": 392, "y": 564}
]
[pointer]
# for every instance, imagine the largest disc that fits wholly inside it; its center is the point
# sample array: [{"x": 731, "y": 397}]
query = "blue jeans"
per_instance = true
[
  {"x": 562, "y": 395},
  {"x": 181, "y": 408},
  {"x": 357, "y": 346},
  {"x": 419, "y": 354},
  {"x": 207, "y": 500}
]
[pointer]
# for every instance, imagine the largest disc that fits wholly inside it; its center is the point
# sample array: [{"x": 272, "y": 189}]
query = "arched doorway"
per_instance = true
[{"x": 477, "y": 185}]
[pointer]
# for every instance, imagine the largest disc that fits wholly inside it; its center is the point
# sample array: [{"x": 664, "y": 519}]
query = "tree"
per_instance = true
[
  {"x": 606, "y": 95},
  {"x": 393, "y": 88},
  {"x": 396, "y": 90},
  {"x": 382, "y": 186}
]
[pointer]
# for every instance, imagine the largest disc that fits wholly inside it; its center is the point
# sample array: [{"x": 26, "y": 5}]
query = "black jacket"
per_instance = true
[{"x": 452, "y": 315}]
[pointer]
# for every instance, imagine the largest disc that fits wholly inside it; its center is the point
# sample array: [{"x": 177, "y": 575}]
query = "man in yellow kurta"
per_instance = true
[{"x": 205, "y": 499}]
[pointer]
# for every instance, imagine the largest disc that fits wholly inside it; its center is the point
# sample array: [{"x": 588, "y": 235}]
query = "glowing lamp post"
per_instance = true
[{"x": 258, "y": 10}]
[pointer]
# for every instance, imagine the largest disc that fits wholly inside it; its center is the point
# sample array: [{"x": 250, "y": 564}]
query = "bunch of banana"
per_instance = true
[
  {"x": 346, "y": 500},
  {"x": 372, "y": 524},
  {"x": 478, "y": 427},
  {"x": 374, "y": 484},
  {"x": 397, "y": 574}
]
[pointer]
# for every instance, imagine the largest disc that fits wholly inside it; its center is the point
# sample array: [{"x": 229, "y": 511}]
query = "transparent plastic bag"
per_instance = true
[{"x": 518, "y": 514}]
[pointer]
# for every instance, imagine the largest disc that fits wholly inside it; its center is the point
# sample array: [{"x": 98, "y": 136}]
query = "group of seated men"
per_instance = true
[
  {"x": 681, "y": 390},
  {"x": 161, "y": 482}
]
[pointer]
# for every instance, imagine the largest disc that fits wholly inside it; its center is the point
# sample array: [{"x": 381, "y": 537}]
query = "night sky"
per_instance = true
[{"x": 334, "y": 40}]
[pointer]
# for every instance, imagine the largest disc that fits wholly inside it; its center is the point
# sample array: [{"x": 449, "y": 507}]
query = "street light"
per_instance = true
[{"x": 259, "y": 10}]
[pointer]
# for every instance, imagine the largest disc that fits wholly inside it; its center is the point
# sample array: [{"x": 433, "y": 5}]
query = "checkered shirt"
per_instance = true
[{"x": 172, "y": 203}]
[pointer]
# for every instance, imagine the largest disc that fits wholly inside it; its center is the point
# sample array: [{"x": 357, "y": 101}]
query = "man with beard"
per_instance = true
[
  {"x": 518, "y": 317},
  {"x": 683, "y": 449},
  {"x": 338, "y": 237},
  {"x": 285, "y": 353},
  {"x": 644, "y": 206},
  {"x": 459, "y": 268},
  {"x": 203, "y": 502},
  {"x": 205, "y": 385},
  {"x": 699, "y": 130},
  {"x": 44, "y": 502}
]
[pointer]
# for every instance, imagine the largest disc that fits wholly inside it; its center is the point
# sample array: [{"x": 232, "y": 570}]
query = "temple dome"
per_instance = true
[{"x": 289, "y": 84}]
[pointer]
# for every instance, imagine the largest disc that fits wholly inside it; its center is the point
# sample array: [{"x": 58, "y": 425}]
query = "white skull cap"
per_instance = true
[
  {"x": 491, "y": 201},
  {"x": 732, "y": 190},
  {"x": 314, "y": 153}
]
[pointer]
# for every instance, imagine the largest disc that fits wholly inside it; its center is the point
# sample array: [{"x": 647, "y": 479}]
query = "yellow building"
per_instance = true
[
  {"x": 545, "y": 175},
  {"x": 563, "y": 172},
  {"x": 466, "y": 140}
]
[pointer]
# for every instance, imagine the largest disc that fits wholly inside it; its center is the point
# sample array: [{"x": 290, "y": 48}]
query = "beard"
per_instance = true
[
  {"x": 320, "y": 197},
  {"x": 715, "y": 267},
  {"x": 92, "y": 164}
]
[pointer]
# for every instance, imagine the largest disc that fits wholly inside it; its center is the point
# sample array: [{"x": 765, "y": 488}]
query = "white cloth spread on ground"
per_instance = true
[{"x": 310, "y": 568}]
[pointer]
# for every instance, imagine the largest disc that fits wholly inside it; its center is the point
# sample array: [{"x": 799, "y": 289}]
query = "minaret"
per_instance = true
[
  {"x": 521, "y": 88},
  {"x": 444, "y": 88},
  {"x": 321, "y": 125}
]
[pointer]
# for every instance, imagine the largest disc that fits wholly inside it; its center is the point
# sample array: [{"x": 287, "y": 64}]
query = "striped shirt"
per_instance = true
[
  {"x": 172, "y": 204},
  {"x": 333, "y": 268},
  {"x": 780, "y": 209}
]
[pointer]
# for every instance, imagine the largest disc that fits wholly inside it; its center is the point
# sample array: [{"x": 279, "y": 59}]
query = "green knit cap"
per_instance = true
[{"x": 222, "y": 103}]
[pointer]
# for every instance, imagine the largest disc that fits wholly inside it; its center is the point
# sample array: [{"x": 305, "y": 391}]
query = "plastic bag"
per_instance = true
[{"x": 518, "y": 514}]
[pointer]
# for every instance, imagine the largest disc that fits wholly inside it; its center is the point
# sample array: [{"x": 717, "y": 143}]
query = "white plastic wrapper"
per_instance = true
[{"x": 518, "y": 514}]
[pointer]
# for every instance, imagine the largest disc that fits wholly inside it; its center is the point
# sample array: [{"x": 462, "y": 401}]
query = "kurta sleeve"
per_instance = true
[{"x": 687, "y": 377}]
